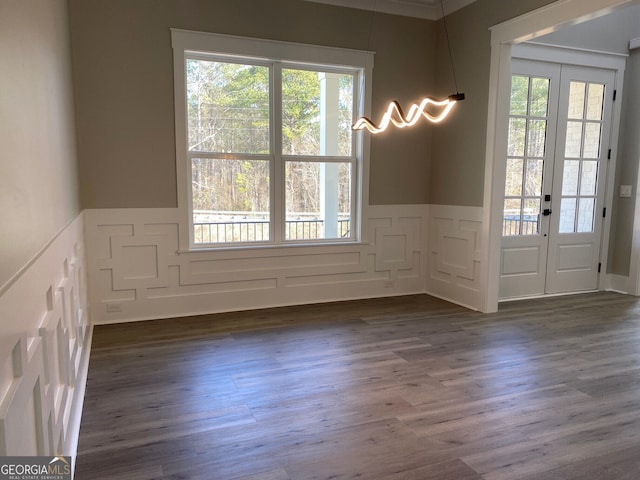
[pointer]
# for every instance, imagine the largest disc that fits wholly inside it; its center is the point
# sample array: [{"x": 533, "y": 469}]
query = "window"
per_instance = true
[{"x": 265, "y": 150}]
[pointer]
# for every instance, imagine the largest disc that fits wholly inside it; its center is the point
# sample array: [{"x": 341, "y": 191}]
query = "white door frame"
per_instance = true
[{"x": 526, "y": 27}]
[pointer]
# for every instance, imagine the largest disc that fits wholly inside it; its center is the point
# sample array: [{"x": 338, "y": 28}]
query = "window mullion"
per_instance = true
[{"x": 277, "y": 165}]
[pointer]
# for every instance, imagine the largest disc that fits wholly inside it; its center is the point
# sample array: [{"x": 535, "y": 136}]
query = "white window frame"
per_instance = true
[{"x": 187, "y": 44}]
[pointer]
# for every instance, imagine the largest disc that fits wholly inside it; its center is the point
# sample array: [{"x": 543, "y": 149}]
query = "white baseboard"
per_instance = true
[{"x": 618, "y": 283}]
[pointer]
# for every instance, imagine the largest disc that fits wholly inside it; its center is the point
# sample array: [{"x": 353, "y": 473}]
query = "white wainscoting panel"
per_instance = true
[
  {"x": 45, "y": 337},
  {"x": 136, "y": 271},
  {"x": 455, "y": 255}
]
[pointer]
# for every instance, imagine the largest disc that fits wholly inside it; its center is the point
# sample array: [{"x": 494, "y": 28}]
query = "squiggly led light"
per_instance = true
[{"x": 395, "y": 115}]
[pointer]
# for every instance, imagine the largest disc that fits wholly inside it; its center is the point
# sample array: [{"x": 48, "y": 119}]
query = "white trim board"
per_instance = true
[{"x": 357, "y": 62}]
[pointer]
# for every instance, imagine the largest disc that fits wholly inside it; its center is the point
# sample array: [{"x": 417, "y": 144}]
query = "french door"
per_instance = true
[{"x": 559, "y": 134}]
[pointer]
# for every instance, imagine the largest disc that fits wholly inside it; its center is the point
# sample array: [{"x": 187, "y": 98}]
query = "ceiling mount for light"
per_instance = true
[{"x": 394, "y": 114}]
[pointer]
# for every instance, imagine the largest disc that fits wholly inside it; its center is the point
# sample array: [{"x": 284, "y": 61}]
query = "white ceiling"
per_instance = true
[{"x": 430, "y": 9}]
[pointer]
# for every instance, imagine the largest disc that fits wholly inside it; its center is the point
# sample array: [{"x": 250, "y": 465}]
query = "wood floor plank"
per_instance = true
[
  {"x": 403, "y": 388},
  {"x": 454, "y": 469}
]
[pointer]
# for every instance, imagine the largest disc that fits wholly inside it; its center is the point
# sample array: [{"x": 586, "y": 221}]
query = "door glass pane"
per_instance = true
[
  {"x": 570, "y": 175},
  {"x": 227, "y": 107},
  {"x": 595, "y": 101},
  {"x": 511, "y": 216},
  {"x": 567, "y": 215},
  {"x": 576, "y": 99},
  {"x": 519, "y": 95},
  {"x": 574, "y": 140},
  {"x": 317, "y": 111},
  {"x": 230, "y": 200},
  {"x": 533, "y": 183},
  {"x": 537, "y": 136},
  {"x": 539, "y": 97},
  {"x": 588, "y": 180},
  {"x": 527, "y": 141},
  {"x": 585, "y": 215},
  {"x": 318, "y": 200},
  {"x": 591, "y": 140},
  {"x": 517, "y": 132},
  {"x": 530, "y": 216},
  {"x": 513, "y": 182}
]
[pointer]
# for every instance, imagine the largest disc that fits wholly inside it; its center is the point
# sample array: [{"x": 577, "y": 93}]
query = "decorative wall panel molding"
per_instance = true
[
  {"x": 455, "y": 254},
  {"x": 44, "y": 350},
  {"x": 137, "y": 272}
]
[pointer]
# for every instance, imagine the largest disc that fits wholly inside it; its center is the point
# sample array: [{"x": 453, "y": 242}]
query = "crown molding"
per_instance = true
[{"x": 427, "y": 9}]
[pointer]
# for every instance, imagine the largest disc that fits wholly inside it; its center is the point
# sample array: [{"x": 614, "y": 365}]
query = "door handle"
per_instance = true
[
  {"x": 546, "y": 212},
  {"x": 547, "y": 198}
]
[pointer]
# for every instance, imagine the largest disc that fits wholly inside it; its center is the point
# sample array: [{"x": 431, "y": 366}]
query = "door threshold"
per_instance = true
[{"x": 545, "y": 295}]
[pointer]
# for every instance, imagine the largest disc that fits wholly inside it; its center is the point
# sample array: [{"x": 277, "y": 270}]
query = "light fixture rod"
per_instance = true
[{"x": 446, "y": 33}]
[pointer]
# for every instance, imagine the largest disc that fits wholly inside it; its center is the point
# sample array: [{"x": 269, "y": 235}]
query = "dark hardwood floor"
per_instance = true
[{"x": 407, "y": 388}]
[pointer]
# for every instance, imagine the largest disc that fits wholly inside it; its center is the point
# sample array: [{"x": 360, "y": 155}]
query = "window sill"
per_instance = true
[{"x": 270, "y": 247}]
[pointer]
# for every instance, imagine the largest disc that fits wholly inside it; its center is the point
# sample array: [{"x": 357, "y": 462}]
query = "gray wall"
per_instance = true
[
  {"x": 38, "y": 176},
  {"x": 123, "y": 71},
  {"x": 457, "y": 164},
  {"x": 623, "y": 209}
]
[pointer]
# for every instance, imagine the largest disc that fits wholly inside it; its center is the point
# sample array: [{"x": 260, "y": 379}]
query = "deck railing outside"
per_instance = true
[
  {"x": 240, "y": 231},
  {"x": 511, "y": 225}
]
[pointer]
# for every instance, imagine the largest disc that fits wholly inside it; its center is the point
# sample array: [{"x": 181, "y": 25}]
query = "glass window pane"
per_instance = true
[
  {"x": 318, "y": 200},
  {"x": 519, "y": 94},
  {"x": 589, "y": 178},
  {"x": 517, "y": 131},
  {"x": 531, "y": 216},
  {"x": 570, "y": 175},
  {"x": 230, "y": 200},
  {"x": 567, "y": 215},
  {"x": 533, "y": 183},
  {"x": 576, "y": 99},
  {"x": 317, "y": 113},
  {"x": 585, "y": 215},
  {"x": 227, "y": 107},
  {"x": 591, "y": 140},
  {"x": 537, "y": 136},
  {"x": 511, "y": 217},
  {"x": 539, "y": 97},
  {"x": 595, "y": 100},
  {"x": 574, "y": 140},
  {"x": 513, "y": 182}
]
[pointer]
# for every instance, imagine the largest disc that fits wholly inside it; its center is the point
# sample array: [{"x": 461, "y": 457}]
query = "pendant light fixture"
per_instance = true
[{"x": 394, "y": 113}]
